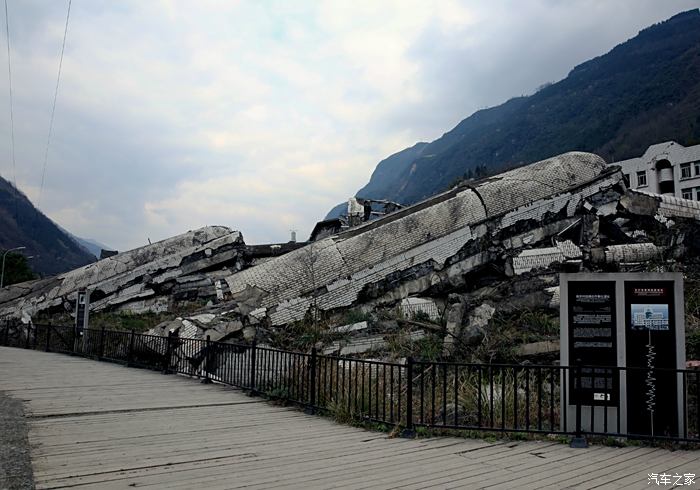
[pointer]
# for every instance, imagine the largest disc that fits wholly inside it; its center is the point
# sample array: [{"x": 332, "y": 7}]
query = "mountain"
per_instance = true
[
  {"x": 382, "y": 180},
  {"x": 53, "y": 251},
  {"x": 643, "y": 91},
  {"x": 92, "y": 246}
]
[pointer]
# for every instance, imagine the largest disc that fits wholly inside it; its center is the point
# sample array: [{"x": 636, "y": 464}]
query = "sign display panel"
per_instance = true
[
  {"x": 592, "y": 343},
  {"x": 651, "y": 357},
  {"x": 82, "y": 311}
]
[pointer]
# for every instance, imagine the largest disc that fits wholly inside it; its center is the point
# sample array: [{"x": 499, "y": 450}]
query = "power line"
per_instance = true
[
  {"x": 12, "y": 116},
  {"x": 53, "y": 108}
]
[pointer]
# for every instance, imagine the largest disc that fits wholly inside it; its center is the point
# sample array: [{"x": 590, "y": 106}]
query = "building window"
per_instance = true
[
  {"x": 687, "y": 193},
  {"x": 697, "y": 168},
  {"x": 626, "y": 178},
  {"x": 685, "y": 171},
  {"x": 697, "y": 193},
  {"x": 642, "y": 178}
]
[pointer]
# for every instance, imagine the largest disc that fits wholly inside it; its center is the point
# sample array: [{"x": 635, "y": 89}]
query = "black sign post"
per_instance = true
[
  {"x": 82, "y": 311},
  {"x": 623, "y": 340}
]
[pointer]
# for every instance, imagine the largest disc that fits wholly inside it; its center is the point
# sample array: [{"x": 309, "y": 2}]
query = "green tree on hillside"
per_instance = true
[{"x": 16, "y": 268}]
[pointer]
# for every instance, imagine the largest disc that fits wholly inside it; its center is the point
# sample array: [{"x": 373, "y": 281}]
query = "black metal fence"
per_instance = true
[{"x": 410, "y": 394}]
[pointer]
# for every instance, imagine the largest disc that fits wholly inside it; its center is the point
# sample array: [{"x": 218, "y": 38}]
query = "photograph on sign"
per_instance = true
[{"x": 649, "y": 316}]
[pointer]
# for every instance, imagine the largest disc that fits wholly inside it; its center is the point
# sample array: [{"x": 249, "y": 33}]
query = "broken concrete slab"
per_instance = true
[
  {"x": 352, "y": 327},
  {"x": 537, "y": 348},
  {"x": 164, "y": 269}
]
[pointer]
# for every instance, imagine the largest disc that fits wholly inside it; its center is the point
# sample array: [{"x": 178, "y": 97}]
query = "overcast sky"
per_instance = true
[{"x": 261, "y": 115}]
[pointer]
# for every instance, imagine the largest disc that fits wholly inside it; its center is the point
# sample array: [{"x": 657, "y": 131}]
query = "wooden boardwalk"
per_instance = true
[{"x": 101, "y": 425}]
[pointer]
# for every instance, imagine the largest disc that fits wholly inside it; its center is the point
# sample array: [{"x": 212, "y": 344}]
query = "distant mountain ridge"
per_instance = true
[
  {"x": 92, "y": 246},
  {"x": 643, "y": 91},
  {"x": 21, "y": 225}
]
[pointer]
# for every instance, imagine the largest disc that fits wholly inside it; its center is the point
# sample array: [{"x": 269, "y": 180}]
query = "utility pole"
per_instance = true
[{"x": 2, "y": 274}]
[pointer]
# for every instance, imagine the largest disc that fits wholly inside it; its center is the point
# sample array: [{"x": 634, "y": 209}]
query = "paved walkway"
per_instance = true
[{"x": 100, "y": 425}]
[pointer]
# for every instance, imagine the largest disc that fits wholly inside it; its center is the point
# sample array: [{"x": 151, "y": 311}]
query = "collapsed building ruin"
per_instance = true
[
  {"x": 459, "y": 257},
  {"x": 188, "y": 267},
  {"x": 487, "y": 246},
  {"x": 143, "y": 279}
]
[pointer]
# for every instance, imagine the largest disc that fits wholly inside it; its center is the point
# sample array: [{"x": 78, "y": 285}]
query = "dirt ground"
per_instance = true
[{"x": 15, "y": 462}]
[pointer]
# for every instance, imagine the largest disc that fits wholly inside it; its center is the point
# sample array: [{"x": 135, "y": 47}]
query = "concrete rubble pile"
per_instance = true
[{"x": 453, "y": 261}]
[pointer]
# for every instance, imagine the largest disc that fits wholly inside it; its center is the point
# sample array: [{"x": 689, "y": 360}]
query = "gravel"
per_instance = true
[{"x": 15, "y": 461}]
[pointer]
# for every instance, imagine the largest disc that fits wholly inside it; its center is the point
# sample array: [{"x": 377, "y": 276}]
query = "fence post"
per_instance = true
[
  {"x": 130, "y": 352},
  {"x": 74, "y": 350},
  {"x": 578, "y": 441},
  {"x": 7, "y": 333},
  {"x": 166, "y": 360},
  {"x": 251, "y": 374},
  {"x": 48, "y": 337},
  {"x": 101, "y": 352},
  {"x": 312, "y": 382},
  {"x": 409, "y": 431},
  {"x": 36, "y": 336},
  {"x": 26, "y": 338},
  {"x": 207, "y": 361}
]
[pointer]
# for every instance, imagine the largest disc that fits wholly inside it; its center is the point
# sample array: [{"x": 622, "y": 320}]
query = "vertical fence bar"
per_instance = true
[
  {"x": 593, "y": 380},
  {"x": 251, "y": 374},
  {"x": 456, "y": 417},
  {"x": 515, "y": 397},
  {"x": 409, "y": 431},
  {"x": 539, "y": 398},
  {"x": 479, "y": 403},
  {"x": 312, "y": 380},
  {"x": 355, "y": 387},
  {"x": 433, "y": 367},
  {"x": 491, "y": 400},
  {"x": 338, "y": 393},
  {"x": 551, "y": 397},
  {"x": 607, "y": 392},
  {"x": 564, "y": 376},
  {"x": 527, "y": 398},
  {"x": 384, "y": 392},
  {"x": 26, "y": 339},
  {"x": 130, "y": 352},
  {"x": 102, "y": 344},
  {"x": 48, "y": 338},
  {"x": 36, "y": 336},
  {"x": 7, "y": 333},
  {"x": 503, "y": 397},
  {"x": 362, "y": 388},
  {"x": 398, "y": 405},
  {"x": 578, "y": 441},
  {"x": 207, "y": 359},
  {"x": 391, "y": 393},
  {"x": 376, "y": 388},
  {"x": 444, "y": 394},
  {"x": 422, "y": 394},
  {"x": 166, "y": 359},
  {"x": 577, "y": 386}
]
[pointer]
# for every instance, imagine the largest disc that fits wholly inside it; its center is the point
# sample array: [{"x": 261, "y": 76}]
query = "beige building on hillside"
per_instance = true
[{"x": 665, "y": 168}]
